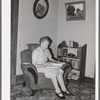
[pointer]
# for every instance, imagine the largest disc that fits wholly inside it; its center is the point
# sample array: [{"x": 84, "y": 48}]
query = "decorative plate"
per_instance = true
[{"x": 40, "y": 8}]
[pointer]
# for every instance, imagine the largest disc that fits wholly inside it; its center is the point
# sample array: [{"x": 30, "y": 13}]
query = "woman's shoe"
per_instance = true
[
  {"x": 60, "y": 97},
  {"x": 67, "y": 93}
]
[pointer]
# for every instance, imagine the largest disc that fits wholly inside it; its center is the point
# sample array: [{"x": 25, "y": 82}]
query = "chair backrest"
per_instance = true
[
  {"x": 26, "y": 55},
  {"x": 32, "y": 47}
]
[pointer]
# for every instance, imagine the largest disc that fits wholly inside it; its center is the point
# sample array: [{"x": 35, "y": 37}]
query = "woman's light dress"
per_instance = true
[{"x": 41, "y": 58}]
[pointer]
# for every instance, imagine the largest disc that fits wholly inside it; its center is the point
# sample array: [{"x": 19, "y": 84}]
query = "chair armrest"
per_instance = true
[
  {"x": 30, "y": 71},
  {"x": 66, "y": 68},
  {"x": 25, "y": 66}
]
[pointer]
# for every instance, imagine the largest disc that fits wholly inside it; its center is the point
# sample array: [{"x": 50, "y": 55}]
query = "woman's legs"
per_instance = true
[
  {"x": 61, "y": 82},
  {"x": 55, "y": 83},
  {"x": 57, "y": 89}
]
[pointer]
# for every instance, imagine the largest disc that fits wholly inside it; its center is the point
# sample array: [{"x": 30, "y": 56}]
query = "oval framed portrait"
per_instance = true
[{"x": 40, "y": 8}]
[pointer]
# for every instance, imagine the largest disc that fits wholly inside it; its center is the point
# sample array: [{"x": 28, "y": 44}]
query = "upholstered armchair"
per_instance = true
[{"x": 31, "y": 77}]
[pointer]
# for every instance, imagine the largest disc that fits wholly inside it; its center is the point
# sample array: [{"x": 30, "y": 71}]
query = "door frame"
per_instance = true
[{"x": 14, "y": 34}]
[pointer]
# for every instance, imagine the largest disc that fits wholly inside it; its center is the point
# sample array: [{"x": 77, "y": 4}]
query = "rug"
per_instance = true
[{"x": 82, "y": 92}]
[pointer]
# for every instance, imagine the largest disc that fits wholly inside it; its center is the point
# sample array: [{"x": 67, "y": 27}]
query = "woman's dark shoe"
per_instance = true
[
  {"x": 60, "y": 97},
  {"x": 67, "y": 93}
]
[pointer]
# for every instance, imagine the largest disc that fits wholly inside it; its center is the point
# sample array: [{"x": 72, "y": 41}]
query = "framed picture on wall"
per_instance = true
[
  {"x": 75, "y": 10},
  {"x": 40, "y": 8}
]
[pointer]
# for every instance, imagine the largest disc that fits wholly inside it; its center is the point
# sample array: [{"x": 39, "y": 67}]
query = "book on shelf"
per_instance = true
[{"x": 74, "y": 74}]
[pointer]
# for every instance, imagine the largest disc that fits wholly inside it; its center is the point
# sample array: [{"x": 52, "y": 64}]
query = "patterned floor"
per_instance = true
[{"x": 82, "y": 92}]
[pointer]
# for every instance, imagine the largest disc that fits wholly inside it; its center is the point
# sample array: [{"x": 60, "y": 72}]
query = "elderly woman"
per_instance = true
[{"x": 40, "y": 58}]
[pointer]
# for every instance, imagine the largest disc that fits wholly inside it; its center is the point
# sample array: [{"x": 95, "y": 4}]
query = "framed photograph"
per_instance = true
[
  {"x": 75, "y": 10},
  {"x": 40, "y": 8}
]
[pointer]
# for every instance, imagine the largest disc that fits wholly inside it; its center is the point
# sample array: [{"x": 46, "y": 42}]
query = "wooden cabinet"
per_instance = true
[{"x": 77, "y": 57}]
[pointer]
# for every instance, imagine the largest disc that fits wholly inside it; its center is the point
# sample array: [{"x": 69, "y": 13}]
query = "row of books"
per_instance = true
[{"x": 74, "y": 74}]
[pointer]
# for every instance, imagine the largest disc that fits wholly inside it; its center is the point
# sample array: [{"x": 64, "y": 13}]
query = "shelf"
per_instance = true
[
  {"x": 76, "y": 69},
  {"x": 72, "y": 48},
  {"x": 78, "y": 61},
  {"x": 68, "y": 58}
]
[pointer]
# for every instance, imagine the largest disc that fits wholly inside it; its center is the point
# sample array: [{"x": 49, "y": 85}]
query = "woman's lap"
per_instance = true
[{"x": 50, "y": 72}]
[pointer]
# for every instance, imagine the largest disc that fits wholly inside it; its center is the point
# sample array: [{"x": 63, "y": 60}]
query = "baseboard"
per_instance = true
[
  {"x": 89, "y": 80},
  {"x": 19, "y": 78}
]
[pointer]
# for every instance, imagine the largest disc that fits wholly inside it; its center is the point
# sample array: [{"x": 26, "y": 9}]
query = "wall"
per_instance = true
[
  {"x": 31, "y": 29},
  {"x": 82, "y": 31}
]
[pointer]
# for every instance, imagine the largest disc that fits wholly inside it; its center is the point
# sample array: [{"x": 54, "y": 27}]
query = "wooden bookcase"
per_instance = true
[{"x": 76, "y": 56}]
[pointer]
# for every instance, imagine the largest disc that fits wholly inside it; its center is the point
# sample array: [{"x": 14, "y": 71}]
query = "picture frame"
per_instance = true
[
  {"x": 40, "y": 8},
  {"x": 75, "y": 11}
]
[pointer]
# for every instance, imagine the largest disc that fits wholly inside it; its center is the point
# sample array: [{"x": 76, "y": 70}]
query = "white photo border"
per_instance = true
[{"x": 5, "y": 60}]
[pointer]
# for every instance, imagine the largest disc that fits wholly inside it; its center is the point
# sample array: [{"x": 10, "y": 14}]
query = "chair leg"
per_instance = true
[
  {"x": 24, "y": 84},
  {"x": 33, "y": 92}
]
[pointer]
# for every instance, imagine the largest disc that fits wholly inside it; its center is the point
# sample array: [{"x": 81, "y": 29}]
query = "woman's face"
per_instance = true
[{"x": 44, "y": 45}]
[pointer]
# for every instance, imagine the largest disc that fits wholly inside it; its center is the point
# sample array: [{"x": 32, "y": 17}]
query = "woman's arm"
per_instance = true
[
  {"x": 50, "y": 57},
  {"x": 53, "y": 60},
  {"x": 34, "y": 57}
]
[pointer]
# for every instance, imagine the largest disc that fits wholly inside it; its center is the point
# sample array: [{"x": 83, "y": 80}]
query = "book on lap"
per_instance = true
[{"x": 54, "y": 64}]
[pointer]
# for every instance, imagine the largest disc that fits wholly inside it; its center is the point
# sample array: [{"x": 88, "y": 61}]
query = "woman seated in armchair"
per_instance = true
[{"x": 41, "y": 58}]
